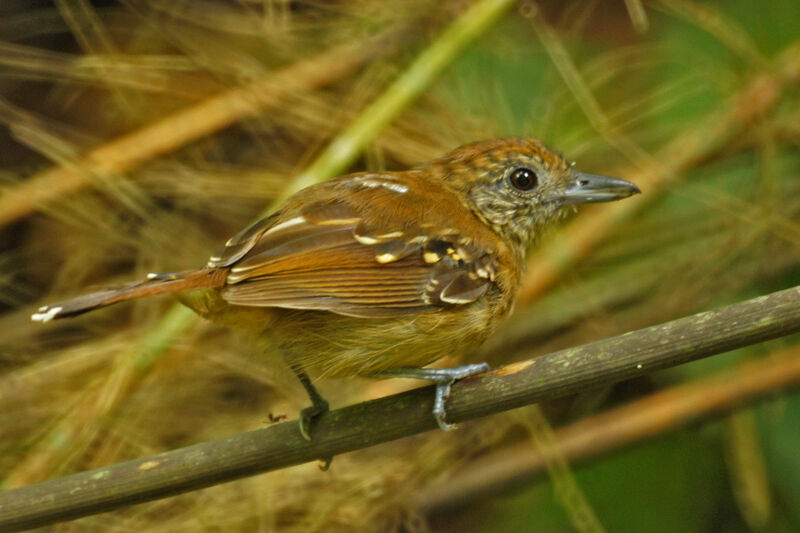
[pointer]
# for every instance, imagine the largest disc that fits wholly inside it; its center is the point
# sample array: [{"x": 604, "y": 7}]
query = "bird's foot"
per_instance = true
[
  {"x": 443, "y": 378},
  {"x": 309, "y": 415}
]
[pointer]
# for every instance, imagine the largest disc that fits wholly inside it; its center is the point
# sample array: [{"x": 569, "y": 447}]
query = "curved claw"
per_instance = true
[
  {"x": 325, "y": 464},
  {"x": 439, "y": 413},
  {"x": 319, "y": 405},
  {"x": 310, "y": 414}
]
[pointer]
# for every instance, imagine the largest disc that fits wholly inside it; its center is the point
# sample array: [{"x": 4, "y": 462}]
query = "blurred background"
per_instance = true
[{"x": 137, "y": 136}]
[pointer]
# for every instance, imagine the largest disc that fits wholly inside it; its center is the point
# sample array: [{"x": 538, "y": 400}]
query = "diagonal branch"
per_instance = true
[
  {"x": 658, "y": 414},
  {"x": 369, "y": 423}
]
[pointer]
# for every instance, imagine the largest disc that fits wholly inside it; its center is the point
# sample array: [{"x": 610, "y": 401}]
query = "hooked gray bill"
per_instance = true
[{"x": 592, "y": 188}]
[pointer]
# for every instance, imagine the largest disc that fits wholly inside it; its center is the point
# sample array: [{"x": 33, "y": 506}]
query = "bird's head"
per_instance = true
[{"x": 520, "y": 186}]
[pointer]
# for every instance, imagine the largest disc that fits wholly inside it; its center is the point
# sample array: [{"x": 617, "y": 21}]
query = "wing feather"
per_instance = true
[{"x": 349, "y": 259}]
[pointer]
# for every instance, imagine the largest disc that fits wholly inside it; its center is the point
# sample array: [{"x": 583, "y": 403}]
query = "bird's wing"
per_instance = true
[{"x": 358, "y": 254}]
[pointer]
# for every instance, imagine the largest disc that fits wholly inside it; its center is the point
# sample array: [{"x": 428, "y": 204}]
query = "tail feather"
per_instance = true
[{"x": 153, "y": 285}]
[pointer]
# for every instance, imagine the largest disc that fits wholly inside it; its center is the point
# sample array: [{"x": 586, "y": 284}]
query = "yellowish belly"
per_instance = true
[{"x": 331, "y": 345}]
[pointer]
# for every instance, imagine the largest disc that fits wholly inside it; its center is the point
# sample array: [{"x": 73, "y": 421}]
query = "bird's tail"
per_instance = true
[{"x": 154, "y": 284}]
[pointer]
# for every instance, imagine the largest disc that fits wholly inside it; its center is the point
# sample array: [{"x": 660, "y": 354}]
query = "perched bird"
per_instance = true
[{"x": 382, "y": 273}]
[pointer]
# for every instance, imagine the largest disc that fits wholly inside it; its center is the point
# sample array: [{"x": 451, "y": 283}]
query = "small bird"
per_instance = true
[{"x": 381, "y": 273}]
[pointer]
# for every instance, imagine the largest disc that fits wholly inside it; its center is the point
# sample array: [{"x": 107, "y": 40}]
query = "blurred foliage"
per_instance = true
[
  {"x": 669, "y": 485},
  {"x": 125, "y": 382}
]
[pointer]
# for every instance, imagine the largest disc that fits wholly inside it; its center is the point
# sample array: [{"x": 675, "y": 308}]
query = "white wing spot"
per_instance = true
[
  {"x": 373, "y": 181},
  {"x": 431, "y": 257},
  {"x": 385, "y": 258},
  {"x": 454, "y": 299},
  {"x": 363, "y": 239},
  {"x": 396, "y": 187},
  {"x": 283, "y": 225},
  {"x": 46, "y": 314}
]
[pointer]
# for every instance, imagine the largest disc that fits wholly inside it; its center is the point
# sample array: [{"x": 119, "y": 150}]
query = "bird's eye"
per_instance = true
[{"x": 523, "y": 179}]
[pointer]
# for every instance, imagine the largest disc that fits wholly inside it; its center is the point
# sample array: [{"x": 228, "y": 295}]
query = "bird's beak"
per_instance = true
[{"x": 591, "y": 188}]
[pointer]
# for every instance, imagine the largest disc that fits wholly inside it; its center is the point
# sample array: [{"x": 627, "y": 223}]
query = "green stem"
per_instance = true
[{"x": 347, "y": 146}]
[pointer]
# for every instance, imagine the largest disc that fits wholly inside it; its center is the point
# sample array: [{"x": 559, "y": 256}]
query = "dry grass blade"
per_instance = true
[
  {"x": 183, "y": 127},
  {"x": 23, "y": 383},
  {"x": 638, "y": 15},
  {"x": 80, "y": 425},
  {"x": 93, "y": 37},
  {"x": 700, "y": 111},
  {"x": 351, "y": 142},
  {"x": 715, "y": 22},
  {"x": 756, "y": 99},
  {"x": 142, "y": 73},
  {"x": 217, "y": 112},
  {"x": 567, "y": 490},
  {"x": 583, "y": 95},
  {"x": 748, "y": 469}
]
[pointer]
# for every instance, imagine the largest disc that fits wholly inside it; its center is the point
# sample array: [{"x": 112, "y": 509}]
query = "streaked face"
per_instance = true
[{"x": 519, "y": 186}]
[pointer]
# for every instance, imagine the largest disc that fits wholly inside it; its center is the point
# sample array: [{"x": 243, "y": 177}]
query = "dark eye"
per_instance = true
[{"x": 523, "y": 179}]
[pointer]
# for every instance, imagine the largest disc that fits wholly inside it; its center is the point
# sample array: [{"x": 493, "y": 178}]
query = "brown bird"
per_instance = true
[{"x": 382, "y": 273}]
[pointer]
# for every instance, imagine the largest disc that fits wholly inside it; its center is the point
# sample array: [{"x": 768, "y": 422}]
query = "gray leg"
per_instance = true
[
  {"x": 319, "y": 405},
  {"x": 442, "y": 377}
]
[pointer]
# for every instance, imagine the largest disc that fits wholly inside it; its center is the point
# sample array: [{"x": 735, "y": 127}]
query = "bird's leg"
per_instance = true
[
  {"x": 442, "y": 377},
  {"x": 319, "y": 405}
]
